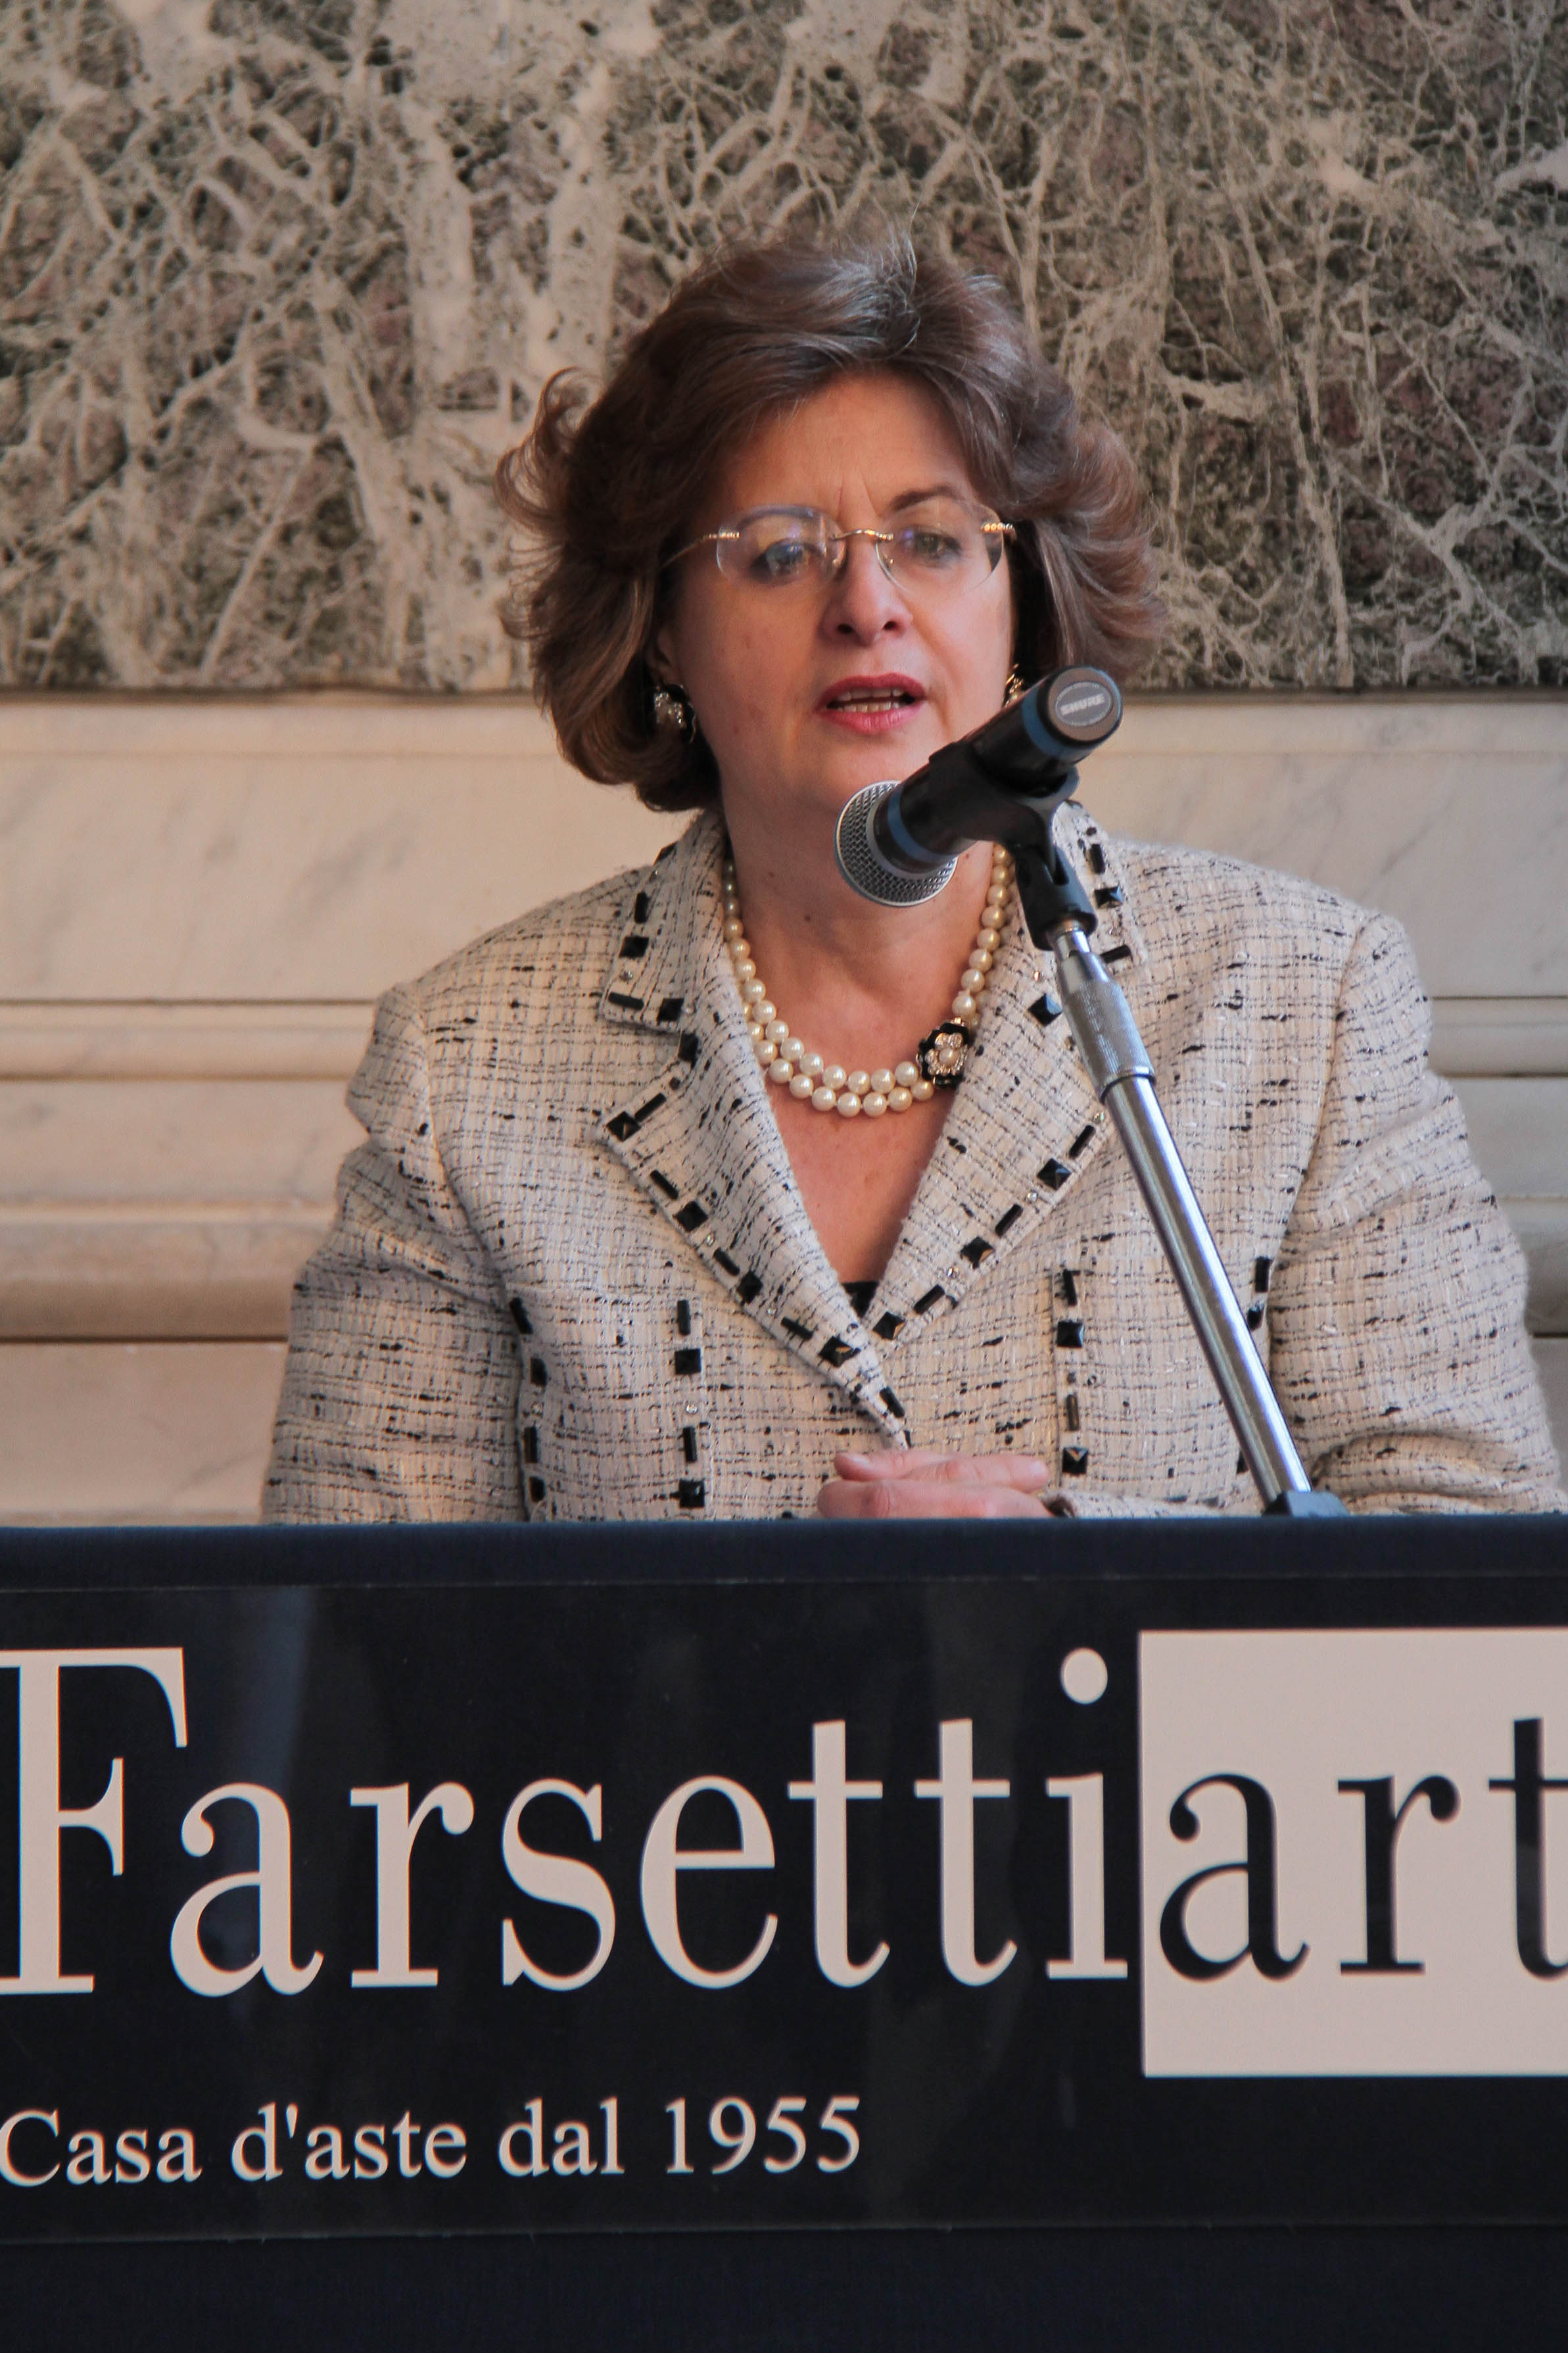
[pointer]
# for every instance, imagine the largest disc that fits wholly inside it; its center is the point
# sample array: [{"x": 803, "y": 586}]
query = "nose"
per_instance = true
[{"x": 864, "y": 602}]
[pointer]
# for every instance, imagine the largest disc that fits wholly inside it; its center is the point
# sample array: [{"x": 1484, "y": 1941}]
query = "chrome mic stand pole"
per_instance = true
[
  {"x": 898, "y": 843},
  {"x": 1060, "y": 918}
]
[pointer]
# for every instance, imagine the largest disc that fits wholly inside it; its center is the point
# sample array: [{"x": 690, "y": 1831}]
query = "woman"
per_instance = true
[{"x": 664, "y": 1210}]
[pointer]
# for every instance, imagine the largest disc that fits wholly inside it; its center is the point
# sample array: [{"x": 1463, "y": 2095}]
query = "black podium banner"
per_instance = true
[{"x": 629, "y": 1878}]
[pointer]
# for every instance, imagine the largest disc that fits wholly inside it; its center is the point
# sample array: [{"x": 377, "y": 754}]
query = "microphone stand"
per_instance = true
[{"x": 1060, "y": 918}]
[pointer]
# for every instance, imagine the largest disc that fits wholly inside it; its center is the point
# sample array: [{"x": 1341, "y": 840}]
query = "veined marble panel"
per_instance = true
[{"x": 280, "y": 280}]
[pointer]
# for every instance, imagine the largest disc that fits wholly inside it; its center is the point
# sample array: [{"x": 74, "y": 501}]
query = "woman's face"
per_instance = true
[{"x": 785, "y": 682}]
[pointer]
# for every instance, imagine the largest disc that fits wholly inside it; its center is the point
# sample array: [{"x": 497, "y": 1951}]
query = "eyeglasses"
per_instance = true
[{"x": 941, "y": 547}]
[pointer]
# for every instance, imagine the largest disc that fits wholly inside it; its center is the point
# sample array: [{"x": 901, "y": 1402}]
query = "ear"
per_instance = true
[{"x": 660, "y": 657}]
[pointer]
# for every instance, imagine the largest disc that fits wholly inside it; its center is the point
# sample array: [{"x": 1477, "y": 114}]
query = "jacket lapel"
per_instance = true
[
  {"x": 1025, "y": 1123},
  {"x": 701, "y": 1142}
]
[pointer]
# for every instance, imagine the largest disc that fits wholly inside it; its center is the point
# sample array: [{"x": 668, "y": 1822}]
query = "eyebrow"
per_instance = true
[
  {"x": 905, "y": 499},
  {"x": 917, "y": 498}
]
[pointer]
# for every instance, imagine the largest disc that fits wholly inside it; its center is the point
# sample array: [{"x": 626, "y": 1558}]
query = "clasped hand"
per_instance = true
[{"x": 921, "y": 1483}]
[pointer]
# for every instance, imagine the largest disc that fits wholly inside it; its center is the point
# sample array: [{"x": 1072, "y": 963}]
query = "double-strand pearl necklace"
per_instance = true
[{"x": 938, "y": 1060}]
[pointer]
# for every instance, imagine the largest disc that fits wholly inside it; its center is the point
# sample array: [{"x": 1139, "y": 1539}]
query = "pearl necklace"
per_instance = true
[{"x": 938, "y": 1060}]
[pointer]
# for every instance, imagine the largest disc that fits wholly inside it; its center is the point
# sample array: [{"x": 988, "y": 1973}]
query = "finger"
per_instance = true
[
  {"x": 1025, "y": 1472},
  {"x": 917, "y": 1499}
]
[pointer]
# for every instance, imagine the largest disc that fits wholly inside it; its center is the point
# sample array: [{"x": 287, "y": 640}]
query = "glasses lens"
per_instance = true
[
  {"x": 942, "y": 548},
  {"x": 780, "y": 548},
  {"x": 938, "y": 549}
]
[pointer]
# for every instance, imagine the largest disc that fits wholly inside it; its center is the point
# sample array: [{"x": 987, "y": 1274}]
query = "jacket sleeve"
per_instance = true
[
  {"x": 1395, "y": 1310},
  {"x": 1397, "y": 1346},
  {"x": 400, "y": 1390}
]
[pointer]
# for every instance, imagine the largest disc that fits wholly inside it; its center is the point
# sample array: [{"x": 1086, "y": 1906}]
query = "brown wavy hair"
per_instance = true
[{"x": 606, "y": 489}]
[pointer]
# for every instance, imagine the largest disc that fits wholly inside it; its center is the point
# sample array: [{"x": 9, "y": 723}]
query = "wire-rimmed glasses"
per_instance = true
[{"x": 938, "y": 547}]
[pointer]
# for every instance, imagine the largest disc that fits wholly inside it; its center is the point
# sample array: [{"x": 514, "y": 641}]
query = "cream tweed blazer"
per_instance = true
[{"x": 571, "y": 1278}]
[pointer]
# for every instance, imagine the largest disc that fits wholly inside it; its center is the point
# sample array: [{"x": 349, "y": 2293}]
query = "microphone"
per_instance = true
[{"x": 897, "y": 844}]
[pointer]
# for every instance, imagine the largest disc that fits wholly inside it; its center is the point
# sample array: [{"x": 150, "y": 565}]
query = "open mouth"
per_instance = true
[{"x": 872, "y": 698}]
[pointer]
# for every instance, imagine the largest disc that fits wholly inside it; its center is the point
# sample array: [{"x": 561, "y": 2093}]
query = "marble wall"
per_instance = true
[
  {"x": 281, "y": 279},
  {"x": 278, "y": 279},
  {"x": 199, "y": 896}
]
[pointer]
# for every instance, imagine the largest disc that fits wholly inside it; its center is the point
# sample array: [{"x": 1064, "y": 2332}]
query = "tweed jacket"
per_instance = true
[{"x": 572, "y": 1276}]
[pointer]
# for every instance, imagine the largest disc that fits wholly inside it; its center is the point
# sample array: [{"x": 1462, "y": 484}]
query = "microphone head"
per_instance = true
[
  {"x": 1040, "y": 738},
  {"x": 1082, "y": 706},
  {"x": 896, "y": 844},
  {"x": 866, "y": 870}
]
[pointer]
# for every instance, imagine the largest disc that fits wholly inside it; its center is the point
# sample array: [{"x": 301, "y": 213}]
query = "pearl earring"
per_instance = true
[{"x": 671, "y": 708}]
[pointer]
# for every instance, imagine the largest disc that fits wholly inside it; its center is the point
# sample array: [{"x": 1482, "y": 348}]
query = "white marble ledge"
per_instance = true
[
  {"x": 106, "y": 1434},
  {"x": 1477, "y": 727},
  {"x": 146, "y": 1271},
  {"x": 241, "y": 727},
  {"x": 1501, "y": 1037},
  {"x": 316, "y": 848},
  {"x": 226, "y": 1270},
  {"x": 1540, "y": 1228},
  {"x": 179, "y": 1434},
  {"x": 88, "y": 1140},
  {"x": 242, "y": 1039},
  {"x": 332, "y": 724},
  {"x": 1473, "y": 1037},
  {"x": 1519, "y": 1133},
  {"x": 1552, "y": 1364}
]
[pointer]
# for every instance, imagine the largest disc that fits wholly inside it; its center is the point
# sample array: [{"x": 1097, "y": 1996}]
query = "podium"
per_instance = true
[{"x": 670, "y": 1930}]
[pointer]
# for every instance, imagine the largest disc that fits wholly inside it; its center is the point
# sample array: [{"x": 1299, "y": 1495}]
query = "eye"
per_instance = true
[
  {"x": 774, "y": 548},
  {"x": 930, "y": 547},
  {"x": 779, "y": 560}
]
